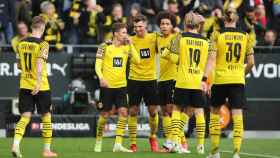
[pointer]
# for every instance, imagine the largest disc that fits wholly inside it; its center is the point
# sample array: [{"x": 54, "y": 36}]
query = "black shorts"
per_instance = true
[
  {"x": 189, "y": 97},
  {"x": 113, "y": 96},
  {"x": 235, "y": 93},
  {"x": 27, "y": 101},
  {"x": 166, "y": 92},
  {"x": 142, "y": 89}
]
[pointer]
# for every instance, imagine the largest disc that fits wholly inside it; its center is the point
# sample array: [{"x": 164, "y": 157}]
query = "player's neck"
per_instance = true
[
  {"x": 166, "y": 35},
  {"x": 36, "y": 34},
  {"x": 192, "y": 30},
  {"x": 116, "y": 42},
  {"x": 23, "y": 36},
  {"x": 230, "y": 24},
  {"x": 141, "y": 35}
]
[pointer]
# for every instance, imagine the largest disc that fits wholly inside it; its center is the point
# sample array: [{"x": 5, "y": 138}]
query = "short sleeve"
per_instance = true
[
  {"x": 174, "y": 45},
  {"x": 250, "y": 44},
  {"x": 44, "y": 50},
  {"x": 213, "y": 41}
]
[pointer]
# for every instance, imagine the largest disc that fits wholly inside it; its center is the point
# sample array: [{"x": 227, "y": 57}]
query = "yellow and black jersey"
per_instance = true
[
  {"x": 108, "y": 25},
  {"x": 147, "y": 49},
  {"x": 52, "y": 32},
  {"x": 29, "y": 50},
  {"x": 168, "y": 69},
  {"x": 231, "y": 46},
  {"x": 15, "y": 41},
  {"x": 111, "y": 63},
  {"x": 192, "y": 52},
  {"x": 76, "y": 8}
]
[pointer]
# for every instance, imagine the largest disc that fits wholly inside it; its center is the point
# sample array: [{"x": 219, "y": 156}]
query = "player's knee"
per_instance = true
[
  {"x": 215, "y": 110},
  {"x": 199, "y": 111},
  {"x": 153, "y": 110},
  {"x": 236, "y": 111},
  {"x": 105, "y": 114},
  {"x": 26, "y": 114},
  {"x": 133, "y": 110},
  {"x": 189, "y": 111},
  {"x": 123, "y": 112},
  {"x": 46, "y": 114},
  {"x": 169, "y": 108}
]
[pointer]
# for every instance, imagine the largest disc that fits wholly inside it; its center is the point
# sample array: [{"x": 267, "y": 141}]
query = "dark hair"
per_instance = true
[
  {"x": 171, "y": 1},
  {"x": 271, "y": 30},
  {"x": 116, "y": 5},
  {"x": 118, "y": 26},
  {"x": 38, "y": 22},
  {"x": 140, "y": 18},
  {"x": 166, "y": 15}
]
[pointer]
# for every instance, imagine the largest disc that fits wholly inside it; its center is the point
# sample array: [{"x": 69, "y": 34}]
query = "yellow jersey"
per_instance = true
[
  {"x": 168, "y": 69},
  {"x": 111, "y": 63},
  {"x": 29, "y": 50},
  {"x": 231, "y": 46},
  {"x": 14, "y": 43},
  {"x": 192, "y": 51},
  {"x": 146, "y": 47}
]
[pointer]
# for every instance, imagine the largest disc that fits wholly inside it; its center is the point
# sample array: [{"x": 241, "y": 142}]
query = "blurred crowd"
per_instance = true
[{"x": 90, "y": 21}]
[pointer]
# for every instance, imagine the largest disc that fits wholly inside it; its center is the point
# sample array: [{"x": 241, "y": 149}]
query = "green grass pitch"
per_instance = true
[{"x": 83, "y": 148}]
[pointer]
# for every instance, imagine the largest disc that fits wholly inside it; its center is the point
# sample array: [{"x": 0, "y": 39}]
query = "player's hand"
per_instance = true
[
  {"x": 103, "y": 83},
  {"x": 204, "y": 86},
  {"x": 128, "y": 40},
  {"x": 176, "y": 30},
  {"x": 36, "y": 89}
]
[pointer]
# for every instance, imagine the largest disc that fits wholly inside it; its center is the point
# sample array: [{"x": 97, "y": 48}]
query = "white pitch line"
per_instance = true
[{"x": 256, "y": 155}]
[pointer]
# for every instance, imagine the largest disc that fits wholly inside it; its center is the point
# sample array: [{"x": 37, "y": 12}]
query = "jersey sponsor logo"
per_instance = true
[
  {"x": 117, "y": 62},
  {"x": 145, "y": 53},
  {"x": 269, "y": 71},
  {"x": 10, "y": 69}
]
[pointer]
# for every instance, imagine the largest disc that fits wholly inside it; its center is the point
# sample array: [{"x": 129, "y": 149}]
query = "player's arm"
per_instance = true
[
  {"x": 98, "y": 65},
  {"x": 14, "y": 45},
  {"x": 172, "y": 51},
  {"x": 18, "y": 58},
  {"x": 156, "y": 40},
  {"x": 250, "y": 54},
  {"x": 41, "y": 58},
  {"x": 135, "y": 57},
  {"x": 211, "y": 61},
  {"x": 169, "y": 55}
]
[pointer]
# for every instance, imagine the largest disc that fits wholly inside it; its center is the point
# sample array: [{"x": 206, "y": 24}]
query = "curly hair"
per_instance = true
[{"x": 166, "y": 15}]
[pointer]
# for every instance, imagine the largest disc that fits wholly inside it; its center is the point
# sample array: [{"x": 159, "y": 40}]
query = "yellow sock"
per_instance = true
[
  {"x": 215, "y": 132},
  {"x": 20, "y": 129},
  {"x": 237, "y": 132},
  {"x": 120, "y": 129},
  {"x": 153, "y": 122},
  {"x": 182, "y": 137},
  {"x": 175, "y": 126},
  {"x": 132, "y": 129},
  {"x": 166, "y": 124},
  {"x": 100, "y": 127},
  {"x": 184, "y": 119},
  {"x": 47, "y": 131},
  {"x": 200, "y": 129}
]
